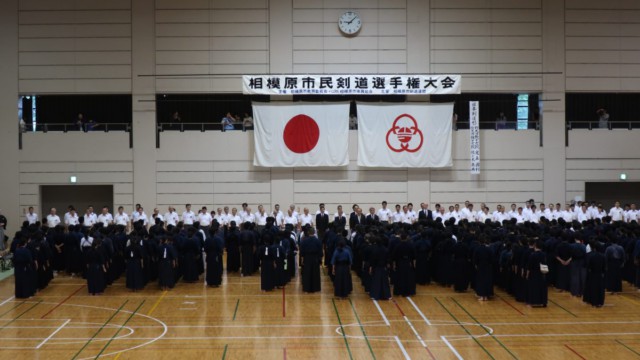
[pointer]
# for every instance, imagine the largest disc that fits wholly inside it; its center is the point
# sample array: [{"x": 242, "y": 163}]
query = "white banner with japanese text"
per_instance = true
[
  {"x": 351, "y": 84},
  {"x": 406, "y": 135},
  {"x": 474, "y": 136}
]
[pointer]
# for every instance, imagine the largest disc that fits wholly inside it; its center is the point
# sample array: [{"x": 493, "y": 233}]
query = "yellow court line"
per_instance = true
[{"x": 157, "y": 302}]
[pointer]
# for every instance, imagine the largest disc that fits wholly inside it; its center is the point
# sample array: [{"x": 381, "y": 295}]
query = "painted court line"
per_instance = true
[
  {"x": 19, "y": 316},
  {"x": 6, "y": 301},
  {"x": 53, "y": 334},
  {"x": 164, "y": 293},
  {"x": 627, "y": 347},
  {"x": 62, "y": 302},
  {"x": 120, "y": 329},
  {"x": 415, "y": 332},
  {"x": 488, "y": 332},
  {"x": 384, "y": 317},
  {"x": 235, "y": 312},
  {"x": 100, "y": 329},
  {"x": 575, "y": 352},
  {"x": 560, "y": 306},
  {"x": 419, "y": 312},
  {"x": 362, "y": 329},
  {"x": 404, "y": 351},
  {"x": 464, "y": 328},
  {"x": 453, "y": 350},
  {"x": 511, "y": 305},
  {"x": 346, "y": 342}
]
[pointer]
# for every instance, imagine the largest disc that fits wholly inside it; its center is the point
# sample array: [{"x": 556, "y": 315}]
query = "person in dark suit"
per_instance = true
[
  {"x": 424, "y": 212},
  {"x": 352, "y": 217},
  {"x": 358, "y": 219},
  {"x": 340, "y": 218},
  {"x": 322, "y": 221},
  {"x": 372, "y": 218}
]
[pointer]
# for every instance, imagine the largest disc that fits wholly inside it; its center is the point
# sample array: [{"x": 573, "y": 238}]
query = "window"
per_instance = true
[{"x": 523, "y": 111}]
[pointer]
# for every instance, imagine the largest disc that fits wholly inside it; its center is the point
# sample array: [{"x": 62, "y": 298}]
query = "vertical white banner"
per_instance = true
[{"x": 474, "y": 136}]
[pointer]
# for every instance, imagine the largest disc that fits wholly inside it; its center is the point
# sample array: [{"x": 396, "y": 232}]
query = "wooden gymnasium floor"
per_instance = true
[{"x": 237, "y": 321}]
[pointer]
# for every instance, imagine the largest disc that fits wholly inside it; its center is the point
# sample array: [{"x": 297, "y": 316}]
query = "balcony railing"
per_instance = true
[{"x": 610, "y": 125}]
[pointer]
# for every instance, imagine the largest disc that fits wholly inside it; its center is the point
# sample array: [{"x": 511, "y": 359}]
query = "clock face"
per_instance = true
[{"x": 349, "y": 23}]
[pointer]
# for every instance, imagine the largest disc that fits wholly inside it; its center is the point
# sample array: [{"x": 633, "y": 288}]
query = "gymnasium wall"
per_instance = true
[
  {"x": 546, "y": 46},
  {"x": 216, "y": 169},
  {"x": 68, "y": 46}
]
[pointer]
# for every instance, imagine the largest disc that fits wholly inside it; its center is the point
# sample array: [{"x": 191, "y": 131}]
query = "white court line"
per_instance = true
[
  {"x": 384, "y": 317},
  {"x": 451, "y": 348},
  {"x": 52, "y": 334},
  {"x": 415, "y": 332},
  {"x": 6, "y": 301},
  {"x": 404, "y": 351},
  {"x": 419, "y": 312}
]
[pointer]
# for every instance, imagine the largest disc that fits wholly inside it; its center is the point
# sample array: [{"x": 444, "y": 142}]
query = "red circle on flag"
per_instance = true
[{"x": 301, "y": 134}]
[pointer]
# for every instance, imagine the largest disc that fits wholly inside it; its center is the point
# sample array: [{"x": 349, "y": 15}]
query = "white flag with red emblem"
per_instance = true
[
  {"x": 301, "y": 134},
  {"x": 404, "y": 135}
]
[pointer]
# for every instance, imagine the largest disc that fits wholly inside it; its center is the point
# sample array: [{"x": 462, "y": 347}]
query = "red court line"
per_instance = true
[
  {"x": 63, "y": 301},
  {"x": 405, "y": 316},
  {"x": 284, "y": 353},
  {"x": 398, "y": 306},
  {"x": 513, "y": 307},
  {"x": 575, "y": 352}
]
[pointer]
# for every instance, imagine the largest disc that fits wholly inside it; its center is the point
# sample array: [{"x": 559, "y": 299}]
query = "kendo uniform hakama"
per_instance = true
[
  {"x": 311, "y": 253},
  {"x": 166, "y": 260},
  {"x": 214, "y": 248},
  {"x": 615, "y": 263},
  {"x": 460, "y": 271},
  {"x": 342, "y": 282},
  {"x": 95, "y": 272},
  {"x": 134, "y": 274},
  {"x": 268, "y": 269},
  {"x": 537, "y": 292},
  {"x": 403, "y": 257},
  {"x": 380, "y": 289},
  {"x": 233, "y": 251},
  {"x": 594, "y": 284},
  {"x": 23, "y": 269},
  {"x": 483, "y": 263}
]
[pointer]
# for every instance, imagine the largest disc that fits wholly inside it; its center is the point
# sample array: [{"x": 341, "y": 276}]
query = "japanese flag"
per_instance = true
[{"x": 301, "y": 134}]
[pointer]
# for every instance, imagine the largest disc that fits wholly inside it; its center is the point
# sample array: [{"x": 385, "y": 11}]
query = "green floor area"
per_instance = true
[{"x": 5, "y": 274}]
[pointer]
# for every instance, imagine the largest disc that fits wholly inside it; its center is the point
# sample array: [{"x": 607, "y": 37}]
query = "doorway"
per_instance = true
[
  {"x": 607, "y": 193},
  {"x": 79, "y": 196}
]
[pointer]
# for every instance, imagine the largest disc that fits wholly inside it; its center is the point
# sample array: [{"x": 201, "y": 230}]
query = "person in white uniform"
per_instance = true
[
  {"x": 384, "y": 214},
  {"x": 306, "y": 218},
  {"x": 72, "y": 218},
  {"x": 171, "y": 217},
  {"x": 31, "y": 216},
  {"x": 52, "y": 219},
  {"x": 616, "y": 212},
  {"x": 188, "y": 216},
  {"x": 105, "y": 217},
  {"x": 121, "y": 218}
]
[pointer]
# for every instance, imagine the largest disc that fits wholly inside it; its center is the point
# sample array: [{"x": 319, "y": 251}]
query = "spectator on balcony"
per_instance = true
[
  {"x": 227, "y": 122},
  {"x": 501, "y": 121},
  {"x": 603, "y": 118},
  {"x": 247, "y": 121},
  {"x": 80, "y": 121},
  {"x": 90, "y": 125}
]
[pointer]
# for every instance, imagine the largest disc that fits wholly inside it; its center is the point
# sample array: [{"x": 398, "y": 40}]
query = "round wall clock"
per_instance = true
[{"x": 349, "y": 23}]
